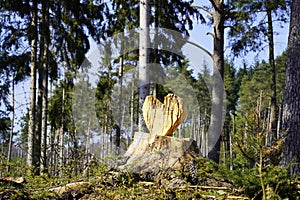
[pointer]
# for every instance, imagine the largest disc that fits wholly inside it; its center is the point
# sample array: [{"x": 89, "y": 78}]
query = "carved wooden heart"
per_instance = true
[{"x": 163, "y": 118}]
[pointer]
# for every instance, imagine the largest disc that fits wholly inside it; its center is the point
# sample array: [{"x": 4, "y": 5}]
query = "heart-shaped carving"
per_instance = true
[{"x": 162, "y": 119}]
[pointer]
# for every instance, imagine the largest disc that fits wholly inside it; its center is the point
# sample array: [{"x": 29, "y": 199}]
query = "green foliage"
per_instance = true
[
  {"x": 249, "y": 25},
  {"x": 4, "y": 128},
  {"x": 37, "y": 187},
  {"x": 206, "y": 168},
  {"x": 280, "y": 75},
  {"x": 62, "y": 98},
  {"x": 253, "y": 111},
  {"x": 275, "y": 179},
  {"x": 24, "y": 130},
  {"x": 13, "y": 68},
  {"x": 171, "y": 14}
]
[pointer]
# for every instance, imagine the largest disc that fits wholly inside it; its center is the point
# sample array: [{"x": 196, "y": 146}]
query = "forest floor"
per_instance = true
[
  {"x": 114, "y": 186},
  {"x": 106, "y": 183}
]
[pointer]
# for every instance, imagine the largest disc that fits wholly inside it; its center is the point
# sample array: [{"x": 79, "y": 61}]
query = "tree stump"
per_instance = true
[{"x": 155, "y": 152}]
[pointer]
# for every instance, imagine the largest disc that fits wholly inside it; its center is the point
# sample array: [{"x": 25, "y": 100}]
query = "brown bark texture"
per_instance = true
[
  {"x": 291, "y": 105},
  {"x": 218, "y": 87}
]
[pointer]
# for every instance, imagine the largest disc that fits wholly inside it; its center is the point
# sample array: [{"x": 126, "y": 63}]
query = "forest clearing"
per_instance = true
[{"x": 114, "y": 100}]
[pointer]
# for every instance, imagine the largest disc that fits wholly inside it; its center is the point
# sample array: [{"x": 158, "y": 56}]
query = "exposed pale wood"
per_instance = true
[
  {"x": 204, "y": 187},
  {"x": 146, "y": 183},
  {"x": 18, "y": 180},
  {"x": 72, "y": 186},
  {"x": 163, "y": 118},
  {"x": 236, "y": 197}
]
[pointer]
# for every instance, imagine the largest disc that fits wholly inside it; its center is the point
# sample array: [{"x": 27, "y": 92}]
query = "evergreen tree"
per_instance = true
[
  {"x": 61, "y": 123},
  {"x": 104, "y": 107},
  {"x": 231, "y": 89},
  {"x": 84, "y": 112}
]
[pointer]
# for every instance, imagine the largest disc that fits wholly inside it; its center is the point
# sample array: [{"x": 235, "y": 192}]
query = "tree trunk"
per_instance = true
[
  {"x": 44, "y": 108},
  {"x": 131, "y": 111},
  {"x": 144, "y": 41},
  {"x": 106, "y": 136},
  {"x": 119, "y": 120},
  {"x": 88, "y": 139},
  {"x": 103, "y": 142},
  {"x": 51, "y": 139},
  {"x": 273, "y": 106},
  {"x": 76, "y": 151},
  {"x": 37, "y": 145},
  {"x": 61, "y": 133},
  {"x": 32, "y": 107},
  {"x": 232, "y": 132},
  {"x": 279, "y": 121},
  {"x": 12, "y": 123},
  {"x": 217, "y": 89},
  {"x": 291, "y": 106}
]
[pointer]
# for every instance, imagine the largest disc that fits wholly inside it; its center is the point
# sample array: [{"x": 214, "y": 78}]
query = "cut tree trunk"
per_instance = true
[
  {"x": 163, "y": 154},
  {"x": 155, "y": 153}
]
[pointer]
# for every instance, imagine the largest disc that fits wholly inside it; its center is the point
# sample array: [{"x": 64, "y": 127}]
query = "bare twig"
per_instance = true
[{"x": 204, "y": 9}]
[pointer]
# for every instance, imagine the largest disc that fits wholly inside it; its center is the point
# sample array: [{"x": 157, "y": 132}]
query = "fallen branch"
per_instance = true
[
  {"x": 236, "y": 197},
  {"x": 145, "y": 183},
  {"x": 14, "y": 181},
  {"x": 69, "y": 186},
  {"x": 207, "y": 187}
]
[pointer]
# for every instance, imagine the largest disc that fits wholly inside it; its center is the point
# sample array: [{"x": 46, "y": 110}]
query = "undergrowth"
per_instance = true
[
  {"x": 106, "y": 183},
  {"x": 279, "y": 185}
]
